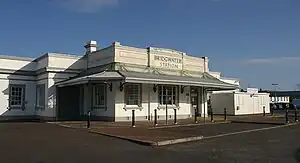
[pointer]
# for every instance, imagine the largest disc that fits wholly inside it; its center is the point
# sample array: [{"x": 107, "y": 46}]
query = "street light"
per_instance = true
[{"x": 275, "y": 86}]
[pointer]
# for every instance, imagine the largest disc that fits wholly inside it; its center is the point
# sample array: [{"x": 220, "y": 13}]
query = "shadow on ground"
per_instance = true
[{"x": 297, "y": 155}]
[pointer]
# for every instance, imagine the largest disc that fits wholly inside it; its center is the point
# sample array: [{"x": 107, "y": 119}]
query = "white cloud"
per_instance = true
[
  {"x": 278, "y": 60},
  {"x": 87, "y": 5}
]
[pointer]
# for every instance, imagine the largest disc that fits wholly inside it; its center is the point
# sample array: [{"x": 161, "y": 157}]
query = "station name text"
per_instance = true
[{"x": 168, "y": 62}]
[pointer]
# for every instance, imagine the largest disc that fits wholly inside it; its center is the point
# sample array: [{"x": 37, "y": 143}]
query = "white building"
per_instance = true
[
  {"x": 110, "y": 82},
  {"x": 240, "y": 103}
]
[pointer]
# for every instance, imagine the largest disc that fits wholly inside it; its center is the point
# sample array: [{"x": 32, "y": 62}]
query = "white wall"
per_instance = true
[
  {"x": 244, "y": 104},
  {"x": 65, "y": 61},
  {"x": 222, "y": 100},
  {"x": 194, "y": 64},
  {"x": 185, "y": 107},
  {"x": 121, "y": 113},
  {"x": 131, "y": 55},
  {"x": 42, "y": 79},
  {"x": 101, "y": 57},
  {"x": 147, "y": 89},
  {"x": 240, "y": 103},
  {"x": 251, "y": 105},
  {"x": 202, "y": 101},
  {"x": 110, "y": 102},
  {"x": 14, "y": 64},
  {"x": 29, "y": 95}
]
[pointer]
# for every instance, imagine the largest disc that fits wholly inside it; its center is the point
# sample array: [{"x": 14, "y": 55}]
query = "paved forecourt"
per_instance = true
[{"x": 48, "y": 143}]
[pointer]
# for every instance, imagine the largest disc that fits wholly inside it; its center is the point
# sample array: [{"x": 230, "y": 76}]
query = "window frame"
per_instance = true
[
  {"x": 38, "y": 95},
  {"x": 174, "y": 104},
  {"x": 94, "y": 105},
  {"x": 133, "y": 106},
  {"x": 23, "y": 96}
]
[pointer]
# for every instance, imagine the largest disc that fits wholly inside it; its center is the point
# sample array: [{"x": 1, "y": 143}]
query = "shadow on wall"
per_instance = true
[
  {"x": 6, "y": 94},
  {"x": 17, "y": 83},
  {"x": 65, "y": 102},
  {"x": 71, "y": 99},
  {"x": 25, "y": 80}
]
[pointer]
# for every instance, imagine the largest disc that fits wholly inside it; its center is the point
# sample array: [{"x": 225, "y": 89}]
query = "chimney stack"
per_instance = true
[{"x": 91, "y": 46}]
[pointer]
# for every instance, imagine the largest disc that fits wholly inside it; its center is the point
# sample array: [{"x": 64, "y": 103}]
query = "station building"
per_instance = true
[{"x": 109, "y": 83}]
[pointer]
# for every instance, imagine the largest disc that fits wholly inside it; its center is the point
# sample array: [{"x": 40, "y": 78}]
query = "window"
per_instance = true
[
  {"x": 16, "y": 96},
  {"x": 168, "y": 95},
  {"x": 40, "y": 96},
  {"x": 99, "y": 96},
  {"x": 133, "y": 94}
]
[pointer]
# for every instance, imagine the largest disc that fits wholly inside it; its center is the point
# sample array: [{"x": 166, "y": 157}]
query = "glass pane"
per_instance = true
[
  {"x": 99, "y": 95},
  {"x": 164, "y": 99},
  {"x": 160, "y": 101},
  {"x": 164, "y": 90},
  {"x": 133, "y": 94},
  {"x": 174, "y": 99},
  {"x": 174, "y": 89}
]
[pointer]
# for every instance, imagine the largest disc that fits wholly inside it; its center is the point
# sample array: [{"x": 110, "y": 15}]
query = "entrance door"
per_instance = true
[
  {"x": 194, "y": 100},
  {"x": 68, "y": 103}
]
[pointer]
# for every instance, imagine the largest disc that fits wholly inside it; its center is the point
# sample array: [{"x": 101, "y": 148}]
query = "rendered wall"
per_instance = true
[
  {"x": 131, "y": 55},
  {"x": 101, "y": 57},
  {"x": 17, "y": 64},
  {"x": 245, "y": 104},
  {"x": 29, "y": 83},
  {"x": 149, "y": 104},
  {"x": 240, "y": 103},
  {"x": 66, "y": 62},
  {"x": 222, "y": 100}
]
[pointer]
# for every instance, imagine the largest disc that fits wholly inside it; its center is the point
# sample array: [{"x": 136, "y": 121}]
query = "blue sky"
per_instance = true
[{"x": 254, "y": 40}]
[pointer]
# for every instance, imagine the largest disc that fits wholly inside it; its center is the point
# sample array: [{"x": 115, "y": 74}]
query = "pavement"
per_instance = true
[
  {"x": 187, "y": 130},
  {"x": 143, "y": 124},
  {"x": 180, "y": 134},
  {"x": 48, "y": 143}
]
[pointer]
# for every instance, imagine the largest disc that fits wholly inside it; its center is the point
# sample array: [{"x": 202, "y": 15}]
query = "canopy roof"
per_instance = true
[{"x": 149, "y": 78}]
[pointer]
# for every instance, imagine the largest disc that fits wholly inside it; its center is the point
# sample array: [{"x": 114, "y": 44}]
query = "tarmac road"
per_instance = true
[{"x": 48, "y": 143}]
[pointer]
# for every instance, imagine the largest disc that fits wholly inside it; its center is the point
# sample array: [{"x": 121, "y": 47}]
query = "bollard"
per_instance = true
[
  {"x": 287, "y": 116},
  {"x": 175, "y": 117},
  {"x": 89, "y": 119},
  {"x": 155, "y": 117},
  {"x": 212, "y": 116},
  {"x": 271, "y": 110},
  {"x": 296, "y": 118},
  {"x": 225, "y": 114},
  {"x": 166, "y": 113},
  {"x": 264, "y": 110},
  {"x": 195, "y": 115},
  {"x": 133, "y": 119}
]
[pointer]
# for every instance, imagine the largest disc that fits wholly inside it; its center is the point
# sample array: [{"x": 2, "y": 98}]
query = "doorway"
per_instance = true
[
  {"x": 195, "y": 100},
  {"x": 68, "y": 103}
]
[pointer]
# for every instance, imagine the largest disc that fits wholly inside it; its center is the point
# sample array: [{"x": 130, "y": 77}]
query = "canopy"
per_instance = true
[{"x": 150, "y": 78}]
